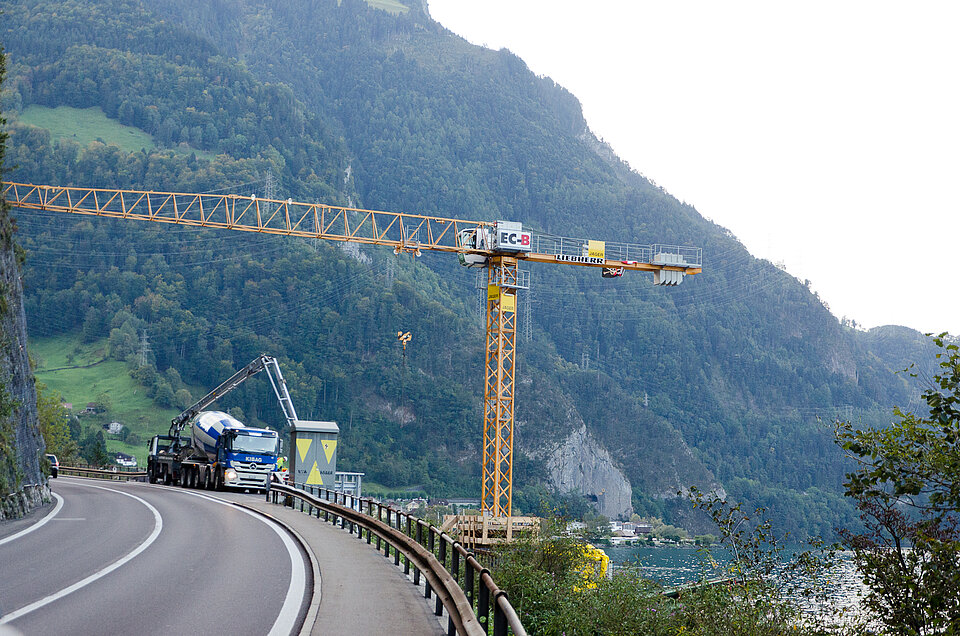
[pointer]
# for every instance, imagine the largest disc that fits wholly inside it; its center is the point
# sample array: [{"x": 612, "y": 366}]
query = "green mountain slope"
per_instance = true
[{"x": 717, "y": 383}]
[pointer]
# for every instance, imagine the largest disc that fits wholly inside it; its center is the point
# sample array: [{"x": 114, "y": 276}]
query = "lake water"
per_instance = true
[
  {"x": 676, "y": 565},
  {"x": 669, "y": 566}
]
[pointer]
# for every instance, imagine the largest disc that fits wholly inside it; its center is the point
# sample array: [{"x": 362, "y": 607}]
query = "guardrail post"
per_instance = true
[
  {"x": 499, "y": 618},
  {"x": 468, "y": 583},
  {"x": 406, "y": 559},
  {"x": 483, "y": 604},
  {"x": 455, "y": 564}
]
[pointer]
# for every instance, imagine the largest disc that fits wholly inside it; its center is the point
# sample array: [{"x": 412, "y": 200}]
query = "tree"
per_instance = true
[
  {"x": 165, "y": 395},
  {"x": 103, "y": 402},
  {"x": 55, "y": 424},
  {"x": 93, "y": 449},
  {"x": 907, "y": 488},
  {"x": 183, "y": 399}
]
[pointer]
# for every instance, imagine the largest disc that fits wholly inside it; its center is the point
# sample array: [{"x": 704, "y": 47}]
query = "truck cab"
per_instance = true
[
  {"x": 158, "y": 448},
  {"x": 247, "y": 456}
]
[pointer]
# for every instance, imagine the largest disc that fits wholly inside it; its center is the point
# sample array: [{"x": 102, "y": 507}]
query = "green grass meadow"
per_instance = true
[
  {"x": 390, "y": 6},
  {"x": 129, "y": 402},
  {"x": 86, "y": 125}
]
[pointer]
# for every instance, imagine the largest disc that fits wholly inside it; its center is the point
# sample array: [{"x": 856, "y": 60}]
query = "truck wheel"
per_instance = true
[
  {"x": 167, "y": 477},
  {"x": 206, "y": 480},
  {"x": 152, "y": 475},
  {"x": 217, "y": 479},
  {"x": 184, "y": 477}
]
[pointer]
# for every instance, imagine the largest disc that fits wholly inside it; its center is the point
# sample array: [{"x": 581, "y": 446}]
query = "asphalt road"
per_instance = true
[{"x": 115, "y": 558}]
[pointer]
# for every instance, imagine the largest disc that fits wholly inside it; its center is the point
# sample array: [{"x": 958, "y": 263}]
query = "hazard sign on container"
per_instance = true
[{"x": 314, "y": 453}]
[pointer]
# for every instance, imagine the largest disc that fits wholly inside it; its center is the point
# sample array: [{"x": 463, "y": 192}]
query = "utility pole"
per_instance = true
[
  {"x": 527, "y": 322},
  {"x": 269, "y": 187},
  {"x": 144, "y": 348}
]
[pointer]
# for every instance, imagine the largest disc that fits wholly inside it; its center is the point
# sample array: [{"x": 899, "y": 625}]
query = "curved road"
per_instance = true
[{"x": 114, "y": 557}]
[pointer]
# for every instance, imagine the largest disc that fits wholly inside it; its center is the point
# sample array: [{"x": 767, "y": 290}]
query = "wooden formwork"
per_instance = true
[{"x": 484, "y": 531}]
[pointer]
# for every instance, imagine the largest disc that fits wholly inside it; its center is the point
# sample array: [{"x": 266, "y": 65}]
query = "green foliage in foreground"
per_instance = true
[{"x": 907, "y": 488}]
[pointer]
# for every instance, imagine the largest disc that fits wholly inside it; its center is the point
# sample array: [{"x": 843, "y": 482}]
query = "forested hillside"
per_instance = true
[{"x": 716, "y": 383}]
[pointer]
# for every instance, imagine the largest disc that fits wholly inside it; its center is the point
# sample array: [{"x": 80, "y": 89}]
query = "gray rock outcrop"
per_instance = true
[
  {"x": 22, "y": 483},
  {"x": 580, "y": 464}
]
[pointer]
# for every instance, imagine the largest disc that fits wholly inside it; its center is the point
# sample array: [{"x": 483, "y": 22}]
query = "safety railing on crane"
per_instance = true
[
  {"x": 461, "y": 584},
  {"x": 657, "y": 253}
]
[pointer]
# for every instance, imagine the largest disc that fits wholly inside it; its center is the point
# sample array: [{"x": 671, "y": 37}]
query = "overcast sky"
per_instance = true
[{"x": 824, "y": 135}]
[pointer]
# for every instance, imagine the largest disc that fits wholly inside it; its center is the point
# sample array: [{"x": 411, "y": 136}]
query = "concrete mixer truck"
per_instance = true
[{"x": 219, "y": 451}]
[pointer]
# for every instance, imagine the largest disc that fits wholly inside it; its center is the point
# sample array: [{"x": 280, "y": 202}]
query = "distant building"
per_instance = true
[
  {"x": 413, "y": 504},
  {"x": 114, "y": 428},
  {"x": 89, "y": 409},
  {"x": 643, "y": 528},
  {"x": 460, "y": 504},
  {"x": 122, "y": 459},
  {"x": 67, "y": 405}
]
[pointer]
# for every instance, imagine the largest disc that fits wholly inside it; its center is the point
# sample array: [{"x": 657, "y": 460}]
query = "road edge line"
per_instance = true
[
  {"x": 50, "y": 515},
  {"x": 278, "y": 528},
  {"x": 99, "y": 574},
  {"x": 313, "y": 611}
]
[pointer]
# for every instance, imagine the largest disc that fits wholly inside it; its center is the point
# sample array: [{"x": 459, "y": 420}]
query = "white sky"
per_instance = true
[{"x": 825, "y": 135}]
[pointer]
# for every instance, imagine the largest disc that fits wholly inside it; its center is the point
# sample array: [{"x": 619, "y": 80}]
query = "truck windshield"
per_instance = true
[{"x": 254, "y": 444}]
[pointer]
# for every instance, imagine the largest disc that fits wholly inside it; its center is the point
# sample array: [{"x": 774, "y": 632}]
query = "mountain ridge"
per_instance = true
[{"x": 730, "y": 365}]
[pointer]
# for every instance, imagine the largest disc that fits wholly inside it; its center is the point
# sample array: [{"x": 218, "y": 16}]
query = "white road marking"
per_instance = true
[
  {"x": 157, "y": 526},
  {"x": 287, "y": 619},
  {"x": 38, "y": 524}
]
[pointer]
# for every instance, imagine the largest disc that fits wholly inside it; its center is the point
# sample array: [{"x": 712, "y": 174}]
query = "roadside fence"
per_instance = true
[
  {"x": 460, "y": 583},
  {"x": 118, "y": 473}
]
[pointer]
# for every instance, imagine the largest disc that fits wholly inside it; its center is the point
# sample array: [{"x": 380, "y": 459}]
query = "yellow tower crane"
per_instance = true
[{"x": 498, "y": 246}]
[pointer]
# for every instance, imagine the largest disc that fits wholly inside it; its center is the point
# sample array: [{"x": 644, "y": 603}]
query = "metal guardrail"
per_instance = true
[
  {"x": 99, "y": 473},
  {"x": 462, "y": 585}
]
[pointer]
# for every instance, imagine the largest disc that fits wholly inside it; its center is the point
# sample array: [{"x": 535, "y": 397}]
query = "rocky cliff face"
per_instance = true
[
  {"x": 580, "y": 464},
  {"x": 22, "y": 483}
]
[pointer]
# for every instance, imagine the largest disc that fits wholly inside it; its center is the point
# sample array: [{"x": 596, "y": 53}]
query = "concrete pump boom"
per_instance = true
[{"x": 260, "y": 363}]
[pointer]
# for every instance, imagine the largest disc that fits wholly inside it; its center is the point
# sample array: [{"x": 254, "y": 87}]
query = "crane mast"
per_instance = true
[{"x": 498, "y": 246}]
